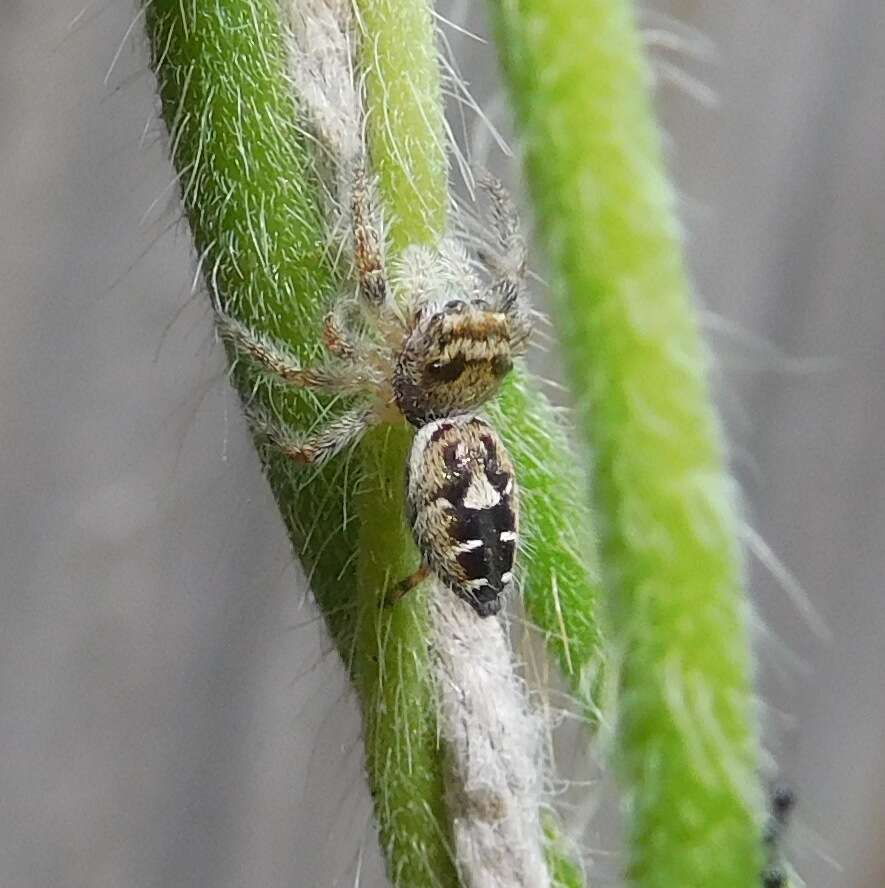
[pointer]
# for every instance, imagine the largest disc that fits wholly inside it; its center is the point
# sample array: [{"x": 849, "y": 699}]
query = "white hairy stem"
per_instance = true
[
  {"x": 493, "y": 743},
  {"x": 320, "y": 40}
]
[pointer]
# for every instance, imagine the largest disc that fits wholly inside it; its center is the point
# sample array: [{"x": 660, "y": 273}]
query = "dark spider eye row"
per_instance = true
[
  {"x": 449, "y": 371},
  {"x": 459, "y": 306}
]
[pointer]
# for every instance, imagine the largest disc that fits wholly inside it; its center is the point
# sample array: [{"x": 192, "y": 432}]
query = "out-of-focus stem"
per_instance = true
[{"x": 688, "y": 737}]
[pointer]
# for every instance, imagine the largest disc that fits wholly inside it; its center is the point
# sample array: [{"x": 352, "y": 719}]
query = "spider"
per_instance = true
[{"x": 435, "y": 343}]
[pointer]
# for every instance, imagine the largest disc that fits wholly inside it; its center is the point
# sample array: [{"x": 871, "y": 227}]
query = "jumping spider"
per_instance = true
[{"x": 433, "y": 355}]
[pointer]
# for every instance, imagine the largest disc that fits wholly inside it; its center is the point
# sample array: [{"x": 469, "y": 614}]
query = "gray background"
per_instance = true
[{"x": 170, "y": 713}]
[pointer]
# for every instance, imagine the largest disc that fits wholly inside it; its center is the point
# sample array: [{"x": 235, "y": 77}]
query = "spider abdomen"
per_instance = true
[{"x": 463, "y": 508}]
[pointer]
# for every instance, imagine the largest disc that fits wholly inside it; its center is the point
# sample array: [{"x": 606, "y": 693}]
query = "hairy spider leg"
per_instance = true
[
  {"x": 368, "y": 246},
  {"x": 279, "y": 361},
  {"x": 320, "y": 446},
  {"x": 337, "y": 338},
  {"x": 504, "y": 220},
  {"x": 405, "y": 586},
  {"x": 508, "y": 267}
]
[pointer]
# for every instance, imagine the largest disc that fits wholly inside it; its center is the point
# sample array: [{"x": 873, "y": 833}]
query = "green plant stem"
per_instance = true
[
  {"x": 403, "y": 113},
  {"x": 688, "y": 737},
  {"x": 559, "y": 572},
  {"x": 565, "y": 870},
  {"x": 250, "y": 193},
  {"x": 404, "y": 117},
  {"x": 251, "y": 199}
]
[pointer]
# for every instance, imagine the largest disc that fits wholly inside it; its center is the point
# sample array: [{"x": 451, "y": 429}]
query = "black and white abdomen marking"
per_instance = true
[{"x": 463, "y": 508}]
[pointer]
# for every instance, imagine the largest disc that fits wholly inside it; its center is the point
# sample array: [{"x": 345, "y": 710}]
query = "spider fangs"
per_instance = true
[{"x": 433, "y": 355}]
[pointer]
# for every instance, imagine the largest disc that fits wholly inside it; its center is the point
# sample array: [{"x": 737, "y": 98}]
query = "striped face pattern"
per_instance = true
[
  {"x": 454, "y": 359},
  {"x": 463, "y": 508}
]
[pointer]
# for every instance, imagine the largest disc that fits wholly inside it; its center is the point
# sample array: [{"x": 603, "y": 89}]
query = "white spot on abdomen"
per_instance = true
[
  {"x": 481, "y": 494},
  {"x": 469, "y": 545}
]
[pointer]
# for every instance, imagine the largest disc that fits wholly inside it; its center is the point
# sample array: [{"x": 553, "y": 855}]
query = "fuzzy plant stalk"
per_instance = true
[
  {"x": 250, "y": 190},
  {"x": 400, "y": 718},
  {"x": 687, "y": 740},
  {"x": 250, "y": 193}
]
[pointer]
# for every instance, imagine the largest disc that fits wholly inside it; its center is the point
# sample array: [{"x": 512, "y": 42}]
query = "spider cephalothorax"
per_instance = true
[
  {"x": 454, "y": 358},
  {"x": 435, "y": 341}
]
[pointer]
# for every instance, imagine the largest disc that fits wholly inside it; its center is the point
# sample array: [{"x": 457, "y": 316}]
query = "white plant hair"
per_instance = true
[
  {"x": 493, "y": 743},
  {"x": 320, "y": 37}
]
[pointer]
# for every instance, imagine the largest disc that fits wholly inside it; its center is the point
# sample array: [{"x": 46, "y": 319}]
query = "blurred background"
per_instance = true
[{"x": 170, "y": 711}]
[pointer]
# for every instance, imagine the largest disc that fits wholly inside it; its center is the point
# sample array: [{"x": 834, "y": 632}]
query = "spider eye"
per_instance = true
[
  {"x": 482, "y": 304},
  {"x": 446, "y": 371},
  {"x": 456, "y": 306}
]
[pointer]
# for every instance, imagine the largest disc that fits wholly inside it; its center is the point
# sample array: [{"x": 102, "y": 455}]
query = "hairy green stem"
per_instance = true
[
  {"x": 565, "y": 872},
  {"x": 404, "y": 118},
  {"x": 403, "y": 113},
  {"x": 688, "y": 737},
  {"x": 250, "y": 192}
]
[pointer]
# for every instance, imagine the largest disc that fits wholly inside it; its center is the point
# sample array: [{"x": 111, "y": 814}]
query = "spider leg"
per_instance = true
[
  {"x": 320, "y": 446},
  {"x": 279, "y": 361},
  {"x": 507, "y": 289},
  {"x": 337, "y": 338},
  {"x": 504, "y": 219},
  {"x": 368, "y": 247},
  {"x": 405, "y": 586},
  {"x": 509, "y": 266}
]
